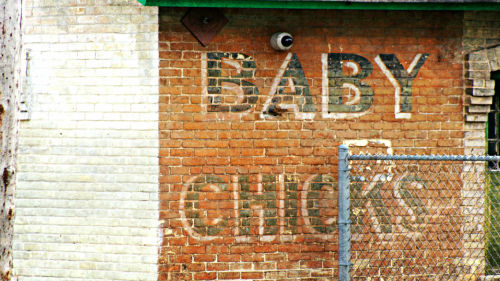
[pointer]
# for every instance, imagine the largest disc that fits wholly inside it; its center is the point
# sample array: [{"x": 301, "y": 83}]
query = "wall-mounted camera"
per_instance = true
[{"x": 281, "y": 41}]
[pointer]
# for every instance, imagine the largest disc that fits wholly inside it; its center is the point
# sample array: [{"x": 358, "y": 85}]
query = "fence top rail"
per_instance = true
[{"x": 423, "y": 157}]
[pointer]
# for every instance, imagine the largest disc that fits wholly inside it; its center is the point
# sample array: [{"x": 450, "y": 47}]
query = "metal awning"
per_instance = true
[{"x": 436, "y": 5}]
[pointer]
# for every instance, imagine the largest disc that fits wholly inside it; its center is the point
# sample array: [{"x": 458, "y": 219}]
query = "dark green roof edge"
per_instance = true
[{"x": 340, "y": 5}]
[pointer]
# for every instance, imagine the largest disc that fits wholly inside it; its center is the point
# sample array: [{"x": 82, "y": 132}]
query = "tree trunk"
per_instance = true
[{"x": 10, "y": 61}]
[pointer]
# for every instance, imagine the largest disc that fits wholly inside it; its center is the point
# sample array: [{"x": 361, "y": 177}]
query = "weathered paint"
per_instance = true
[{"x": 344, "y": 93}]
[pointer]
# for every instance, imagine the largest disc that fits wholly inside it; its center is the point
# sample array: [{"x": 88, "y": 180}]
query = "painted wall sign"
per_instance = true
[
  {"x": 249, "y": 138},
  {"x": 271, "y": 208},
  {"x": 263, "y": 206},
  {"x": 344, "y": 94}
]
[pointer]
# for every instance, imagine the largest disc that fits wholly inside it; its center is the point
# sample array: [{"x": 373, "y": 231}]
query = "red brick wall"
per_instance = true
[{"x": 249, "y": 135}]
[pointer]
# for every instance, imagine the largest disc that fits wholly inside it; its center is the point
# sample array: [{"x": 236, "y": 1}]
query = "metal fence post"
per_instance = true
[{"x": 343, "y": 219}]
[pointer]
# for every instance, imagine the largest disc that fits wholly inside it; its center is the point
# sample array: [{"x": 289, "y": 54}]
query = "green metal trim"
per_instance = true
[{"x": 283, "y": 4}]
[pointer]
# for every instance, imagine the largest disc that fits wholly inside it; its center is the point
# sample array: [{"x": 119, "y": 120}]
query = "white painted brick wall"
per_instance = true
[{"x": 87, "y": 197}]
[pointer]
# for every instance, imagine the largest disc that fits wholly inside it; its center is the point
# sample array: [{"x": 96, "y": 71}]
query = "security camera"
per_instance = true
[{"x": 281, "y": 41}]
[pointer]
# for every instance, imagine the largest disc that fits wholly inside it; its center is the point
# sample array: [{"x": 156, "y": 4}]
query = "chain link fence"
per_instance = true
[{"x": 423, "y": 218}]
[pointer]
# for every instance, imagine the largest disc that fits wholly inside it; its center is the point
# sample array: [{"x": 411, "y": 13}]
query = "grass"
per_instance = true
[{"x": 492, "y": 220}]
